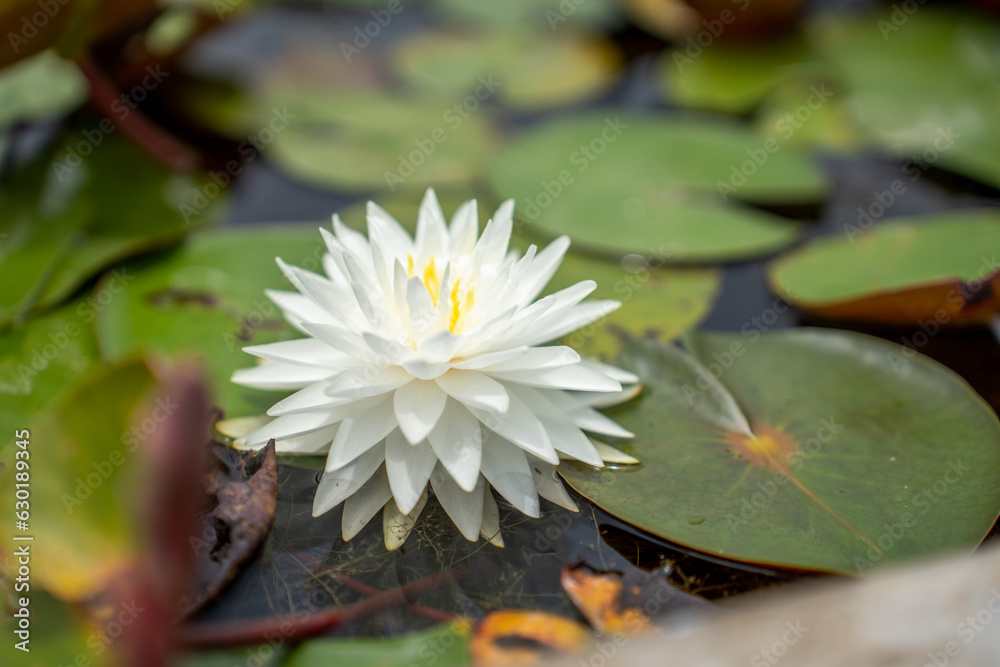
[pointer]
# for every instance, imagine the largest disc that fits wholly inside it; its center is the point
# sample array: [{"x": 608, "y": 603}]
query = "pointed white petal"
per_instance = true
[
  {"x": 457, "y": 440},
  {"x": 432, "y": 232},
  {"x": 369, "y": 380},
  {"x": 418, "y": 405},
  {"x": 573, "y": 376},
  {"x": 360, "y": 432},
  {"x": 557, "y": 323},
  {"x": 396, "y": 525},
  {"x": 464, "y": 229},
  {"x": 302, "y": 351},
  {"x": 464, "y": 507},
  {"x": 298, "y": 309},
  {"x": 387, "y": 232},
  {"x": 289, "y": 426},
  {"x": 280, "y": 375},
  {"x": 505, "y": 466},
  {"x": 337, "y": 337},
  {"x": 489, "y": 359},
  {"x": 316, "y": 442},
  {"x": 475, "y": 390},
  {"x": 490, "y": 529},
  {"x": 606, "y": 400},
  {"x": 313, "y": 397},
  {"x": 409, "y": 467},
  {"x": 566, "y": 437},
  {"x": 549, "y": 485},
  {"x": 520, "y": 426},
  {"x": 360, "y": 507},
  {"x": 541, "y": 270},
  {"x": 440, "y": 347},
  {"x": 620, "y": 374},
  {"x": 335, "y": 487},
  {"x": 534, "y": 358}
]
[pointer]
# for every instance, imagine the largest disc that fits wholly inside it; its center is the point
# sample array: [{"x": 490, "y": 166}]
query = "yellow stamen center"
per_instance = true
[{"x": 432, "y": 282}]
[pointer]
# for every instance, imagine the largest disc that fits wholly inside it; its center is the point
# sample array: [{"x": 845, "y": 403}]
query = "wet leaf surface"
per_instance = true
[
  {"x": 936, "y": 270},
  {"x": 810, "y": 449}
]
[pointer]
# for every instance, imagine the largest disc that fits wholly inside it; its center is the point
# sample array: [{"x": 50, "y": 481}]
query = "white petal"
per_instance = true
[
  {"x": 606, "y": 400},
  {"x": 316, "y": 442},
  {"x": 464, "y": 229},
  {"x": 566, "y": 437},
  {"x": 279, "y": 375},
  {"x": 490, "y": 358},
  {"x": 491, "y": 248},
  {"x": 290, "y": 426},
  {"x": 360, "y": 432},
  {"x": 573, "y": 376},
  {"x": 360, "y": 507},
  {"x": 534, "y": 357},
  {"x": 491, "y": 520},
  {"x": 387, "y": 232},
  {"x": 440, "y": 347},
  {"x": 520, "y": 426},
  {"x": 335, "y": 487},
  {"x": 591, "y": 420},
  {"x": 541, "y": 270},
  {"x": 369, "y": 380},
  {"x": 332, "y": 298},
  {"x": 423, "y": 370},
  {"x": 475, "y": 390},
  {"x": 464, "y": 507},
  {"x": 557, "y": 323},
  {"x": 549, "y": 485},
  {"x": 355, "y": 242},
  {"x": 457, "y": 440},
  {"x": 302, "y": 351},
  {"x": 432, "y": 232},
  {"x": 298, "y": 309},
  {"x": 396, "y": 526},
  {"x": 619, "y": 374},
  {"x": 311, "y": 398},
  {"x": 337, "y": 337},
  {"x": 409, "y": 467},
  {"x": 418, "y": 405},
  {"x": 505, "y": 466}
]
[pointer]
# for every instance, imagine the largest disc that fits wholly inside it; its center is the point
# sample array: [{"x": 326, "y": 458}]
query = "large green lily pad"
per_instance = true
[
  {"x": 926, "y": 85},
  {"x": 206, "y": 300},
  {"x": 362, "y": 140},
  {"x": 42, "y": 359},
  {"x": 807, "y": 448},
  {"x": 935, "y": 269},
  {"x": 81, "y": 460},
  {"x": 659, "y": 187},
  {"x": 67, "y": 216}
]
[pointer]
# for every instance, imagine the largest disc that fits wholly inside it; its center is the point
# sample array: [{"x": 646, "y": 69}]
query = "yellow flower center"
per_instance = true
[{"x": 460, "y": 302}]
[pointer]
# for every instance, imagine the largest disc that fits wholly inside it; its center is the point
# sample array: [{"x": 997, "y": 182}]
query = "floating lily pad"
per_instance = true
[
  {"x": 656, "y": 186},
  {"x": 42, "y": 359},
  {"x": 805, "y": 448},
  {"x": 521, "y": 68},
  {"x": 206, "y": 300},
  {"x": 445, "y": 645},
  {"x": 659, "y": 303},
  {"x": 544, "y": 15},
  {"x": 80, "y": 453},
  {"x": 926, "y": 85},
  {"x": 731, "y": 77},
  {"x": 939, "y": 269},
  {"x": 22, "y": 98},
  {"x": 65, "y": 217},
  {"x": 362, "y": 140}
]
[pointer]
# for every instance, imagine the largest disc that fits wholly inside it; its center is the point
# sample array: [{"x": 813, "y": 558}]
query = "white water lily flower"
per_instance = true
[{"x": 425, "y": 363}]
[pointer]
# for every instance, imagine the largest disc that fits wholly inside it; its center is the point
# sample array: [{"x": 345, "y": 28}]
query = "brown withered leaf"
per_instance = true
[{"x": 243, "y": 495}]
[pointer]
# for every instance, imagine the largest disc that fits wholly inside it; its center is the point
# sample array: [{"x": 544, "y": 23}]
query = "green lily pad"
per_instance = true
[
  {"x": 546, "y": 15},
  {"x": 661, "y": 187},
  {"x": 57, "y": 635},
  {"x": 445, "y": 645},
  {"x": 80, "y": 455},
  {"x": 64, "y": 217},
  {"x": 926, "y": 85},
  {"x": 658, "y": 303},
  {"x": 934, "y": 269},
  {"x": 362, "y": 140},
  {"x": 42, "y": 359},
  {"x": 524, "y": 70},
  {"x": 732, "y": 77},
  {"x": 206, "y": 300},
  {"x": 806, "y": 448}
]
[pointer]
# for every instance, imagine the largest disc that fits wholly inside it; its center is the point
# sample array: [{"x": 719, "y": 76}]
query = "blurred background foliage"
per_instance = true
[{"x": 680, "y": 143}]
